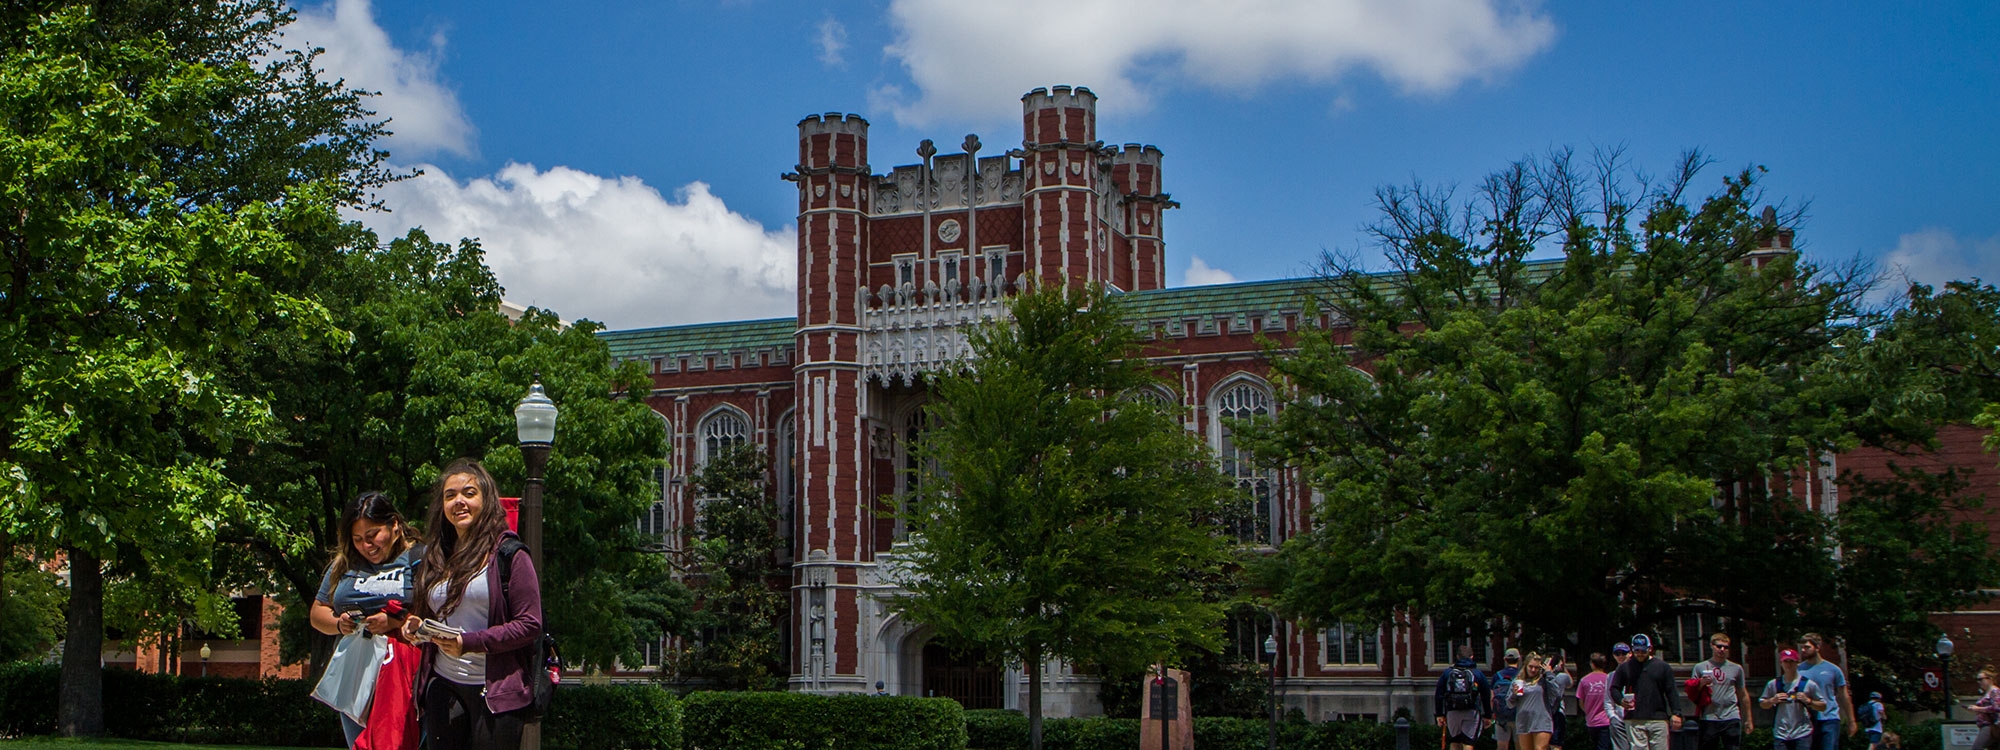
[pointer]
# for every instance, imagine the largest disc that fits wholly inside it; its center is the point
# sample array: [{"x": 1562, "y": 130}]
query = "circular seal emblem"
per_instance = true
[{"x": 949, "y": 230}]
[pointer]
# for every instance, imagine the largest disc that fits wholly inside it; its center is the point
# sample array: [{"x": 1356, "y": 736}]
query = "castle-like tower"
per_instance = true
[{"x": 893, "y": 268}]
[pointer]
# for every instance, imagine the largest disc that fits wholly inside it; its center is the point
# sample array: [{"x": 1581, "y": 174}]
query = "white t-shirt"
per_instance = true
[{"x": 473, "y": 610}]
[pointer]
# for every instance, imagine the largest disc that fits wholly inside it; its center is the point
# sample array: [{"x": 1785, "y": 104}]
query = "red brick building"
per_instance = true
[{"x": 892, "y": 267}]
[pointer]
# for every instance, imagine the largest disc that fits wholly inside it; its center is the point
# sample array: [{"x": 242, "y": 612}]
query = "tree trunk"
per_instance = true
[
  {"x": 1034, "y": 665},
  {"x": 80, "y": 705}
]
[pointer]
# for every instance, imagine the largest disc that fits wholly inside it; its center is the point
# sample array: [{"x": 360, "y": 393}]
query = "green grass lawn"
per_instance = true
[{"x": 60, "y": 743}]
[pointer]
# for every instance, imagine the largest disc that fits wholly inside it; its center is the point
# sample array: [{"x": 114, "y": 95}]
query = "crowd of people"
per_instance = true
[
  {"x": 457, "y": 670},
  {"x": 1631, "y": 700}
]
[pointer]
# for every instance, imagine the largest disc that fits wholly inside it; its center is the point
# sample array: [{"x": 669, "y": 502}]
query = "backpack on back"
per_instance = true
[
  {"x": 545, "y": 666},
  {"x": 1461, "y": 690},
  {"x": 1865, "y": 714}
]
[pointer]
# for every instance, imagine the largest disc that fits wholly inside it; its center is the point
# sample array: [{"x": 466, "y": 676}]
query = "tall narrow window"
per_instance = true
[
  {"x": 788, "y": 491},
  {"x": 947, "y": 269},
  {"x": 996, "y": 264},
  {"x": 653, "y": 522},
  {"x": 1253, "y": 519},
  {"x": 906, "y": 271}
]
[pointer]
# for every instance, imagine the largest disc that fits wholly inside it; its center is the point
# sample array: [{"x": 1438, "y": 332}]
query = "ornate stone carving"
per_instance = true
[{"x": 906, "y": 336}]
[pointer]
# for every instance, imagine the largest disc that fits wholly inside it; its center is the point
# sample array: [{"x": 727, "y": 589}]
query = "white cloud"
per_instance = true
[
  {"x": 832, "y": 41},
  {"x": 974, "y": 60},
  {"x": 424, "y": 113},
  {"x": 611, "y": 250},
  {"x": 1934, "y": 256},
  {"x": 1199, "y": 274}
]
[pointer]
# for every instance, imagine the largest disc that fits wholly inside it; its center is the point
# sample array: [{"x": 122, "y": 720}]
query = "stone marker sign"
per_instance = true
[{"x": 1166, "y": 705}]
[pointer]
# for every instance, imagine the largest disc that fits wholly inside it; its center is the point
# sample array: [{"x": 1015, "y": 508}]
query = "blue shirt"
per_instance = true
[
  {"x": 1830, "y": 680},
  {"x": 367, "y": 587}
]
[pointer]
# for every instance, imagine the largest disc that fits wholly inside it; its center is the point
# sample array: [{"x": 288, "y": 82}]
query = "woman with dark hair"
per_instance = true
[
  {"x": 372, "y": 566},
  {"x": 477, "y": 683}
]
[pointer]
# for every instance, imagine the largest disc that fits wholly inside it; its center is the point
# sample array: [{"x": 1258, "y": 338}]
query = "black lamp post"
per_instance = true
[
  {"x": 205, "y": 653},
  {"x": 1944, "y": 648},
  {"x": 535, "y": 426},
  {"x": 1271, "y": 652}
]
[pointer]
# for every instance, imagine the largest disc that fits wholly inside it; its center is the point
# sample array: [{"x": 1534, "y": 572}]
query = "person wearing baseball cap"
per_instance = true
[
  {"x": 1649, "y": 707},
  {"x": 1793, "y": 700},
  {"x": 1621, "y": 735},
  {"x": 1503, "y": 711}
]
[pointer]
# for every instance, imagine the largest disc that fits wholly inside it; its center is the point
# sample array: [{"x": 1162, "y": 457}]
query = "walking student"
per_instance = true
[
  {"x": 1723, "y": 721},
  {"x": 1793, "y": 700},
  {"x": 479, "y": 683},
  {"x": 1648, "y": 685},
  {"x": 1870, "y": 717},
  {"x": 1559, "y": 673},
  {"x": 1986, "y": 710},
  {"x": 1590, "y": 692},
  {"x": 1614, "y": 706},
  {"x": 371, "y": 567},
  {"x": 1503, "y": 711},
  {"x": 1833, "y": 687},
  {"x": 1537, "y": 703},
  {"x": 1463, "y": 701}
]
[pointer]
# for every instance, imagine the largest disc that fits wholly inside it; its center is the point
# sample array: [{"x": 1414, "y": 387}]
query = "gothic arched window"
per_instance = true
[
  {"x": 1254, "y": 517},
  {"x": 722, "y": 430}
]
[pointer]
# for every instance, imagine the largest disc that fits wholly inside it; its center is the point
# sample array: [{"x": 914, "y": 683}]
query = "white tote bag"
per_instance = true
[{"x": 349, "y": 681}]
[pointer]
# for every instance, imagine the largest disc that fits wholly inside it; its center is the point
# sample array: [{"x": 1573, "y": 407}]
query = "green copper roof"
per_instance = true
[
  {"x": 734, "y": 335},
  {"x": 1218, "y": 299},
  {"x": 1157, "y": 304}
]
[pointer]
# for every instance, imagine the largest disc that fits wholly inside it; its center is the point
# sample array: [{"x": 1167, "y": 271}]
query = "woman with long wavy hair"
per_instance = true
[{"x": 476, "y": 685}]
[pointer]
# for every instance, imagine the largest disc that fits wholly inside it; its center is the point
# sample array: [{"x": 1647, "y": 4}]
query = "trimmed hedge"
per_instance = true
[
  {"x": 616, "y": 717},
  {"x": 1008, "y": 730},
  {"x": 282, "y": 713},
  {"x": 795, "y": 721},
  {"x": 169, "y": 708}
]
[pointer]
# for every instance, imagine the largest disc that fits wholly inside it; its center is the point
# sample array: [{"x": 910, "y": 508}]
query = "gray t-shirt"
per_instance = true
[
  {"x": 471, "y": 614},
  {"x": 1791, "y": 720},
  {"x": 1565, "y": 686},
  {"x": 1723, "y": 681}
]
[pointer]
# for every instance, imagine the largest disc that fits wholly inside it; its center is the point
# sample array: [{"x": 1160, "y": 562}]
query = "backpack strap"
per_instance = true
[{"x": 508, "y": 547}]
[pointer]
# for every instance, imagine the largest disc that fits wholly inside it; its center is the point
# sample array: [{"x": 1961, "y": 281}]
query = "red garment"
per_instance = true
[{"x": 392, "y": 716}]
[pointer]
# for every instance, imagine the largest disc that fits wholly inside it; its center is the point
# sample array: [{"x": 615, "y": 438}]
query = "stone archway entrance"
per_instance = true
[{"x": 969, "y": 678}]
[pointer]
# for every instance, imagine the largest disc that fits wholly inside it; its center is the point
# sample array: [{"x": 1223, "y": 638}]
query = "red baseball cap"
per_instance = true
[{"x": 1788, "y": 655}]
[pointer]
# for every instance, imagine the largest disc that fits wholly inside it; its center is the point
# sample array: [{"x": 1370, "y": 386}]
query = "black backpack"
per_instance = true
[
  {"x": 1461, "y": 690},
  {"x": 546, "y": 657}
]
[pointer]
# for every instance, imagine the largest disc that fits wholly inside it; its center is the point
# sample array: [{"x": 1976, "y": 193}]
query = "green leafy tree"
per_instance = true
[
  {"x": 31, "y": 609},
  {"x": 1592, "y": 445},
  {"x": 159, "y": 163},
  {"x": 1060, "y": 516},
  {"x": 430, "y": 370},
  {"x": 733, "y": 564}
]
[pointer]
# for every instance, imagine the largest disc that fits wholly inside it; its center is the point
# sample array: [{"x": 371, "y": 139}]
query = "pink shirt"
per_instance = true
[{"x": 1590, "y": 695}]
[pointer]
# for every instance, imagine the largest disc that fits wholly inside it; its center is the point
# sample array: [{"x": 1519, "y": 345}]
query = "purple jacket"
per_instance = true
[{"x": 513, "y": 623}]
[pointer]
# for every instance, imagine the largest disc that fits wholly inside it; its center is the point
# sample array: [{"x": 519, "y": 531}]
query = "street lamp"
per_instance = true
[
  {"x": 1944, "y": 648},
  {"x": 535, "y": 426},
  {"x": 1271, "y": 652},
  {"x": 205, "y": 653}
]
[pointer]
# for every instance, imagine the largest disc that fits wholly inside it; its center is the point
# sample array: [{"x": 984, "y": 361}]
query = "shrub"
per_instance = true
[
  {"x": 27, "y": 698},
  {"x": 175, "y": 709},
  {"x": 996, "y": 729},
  {"x": 615, "y": 717},
  {"x": 795, "y": 721},
  {"x": 1089, "y": 733}
]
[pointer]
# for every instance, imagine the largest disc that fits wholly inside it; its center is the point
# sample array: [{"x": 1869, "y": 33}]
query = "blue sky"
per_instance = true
[{"x": 620, "y": 160}]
